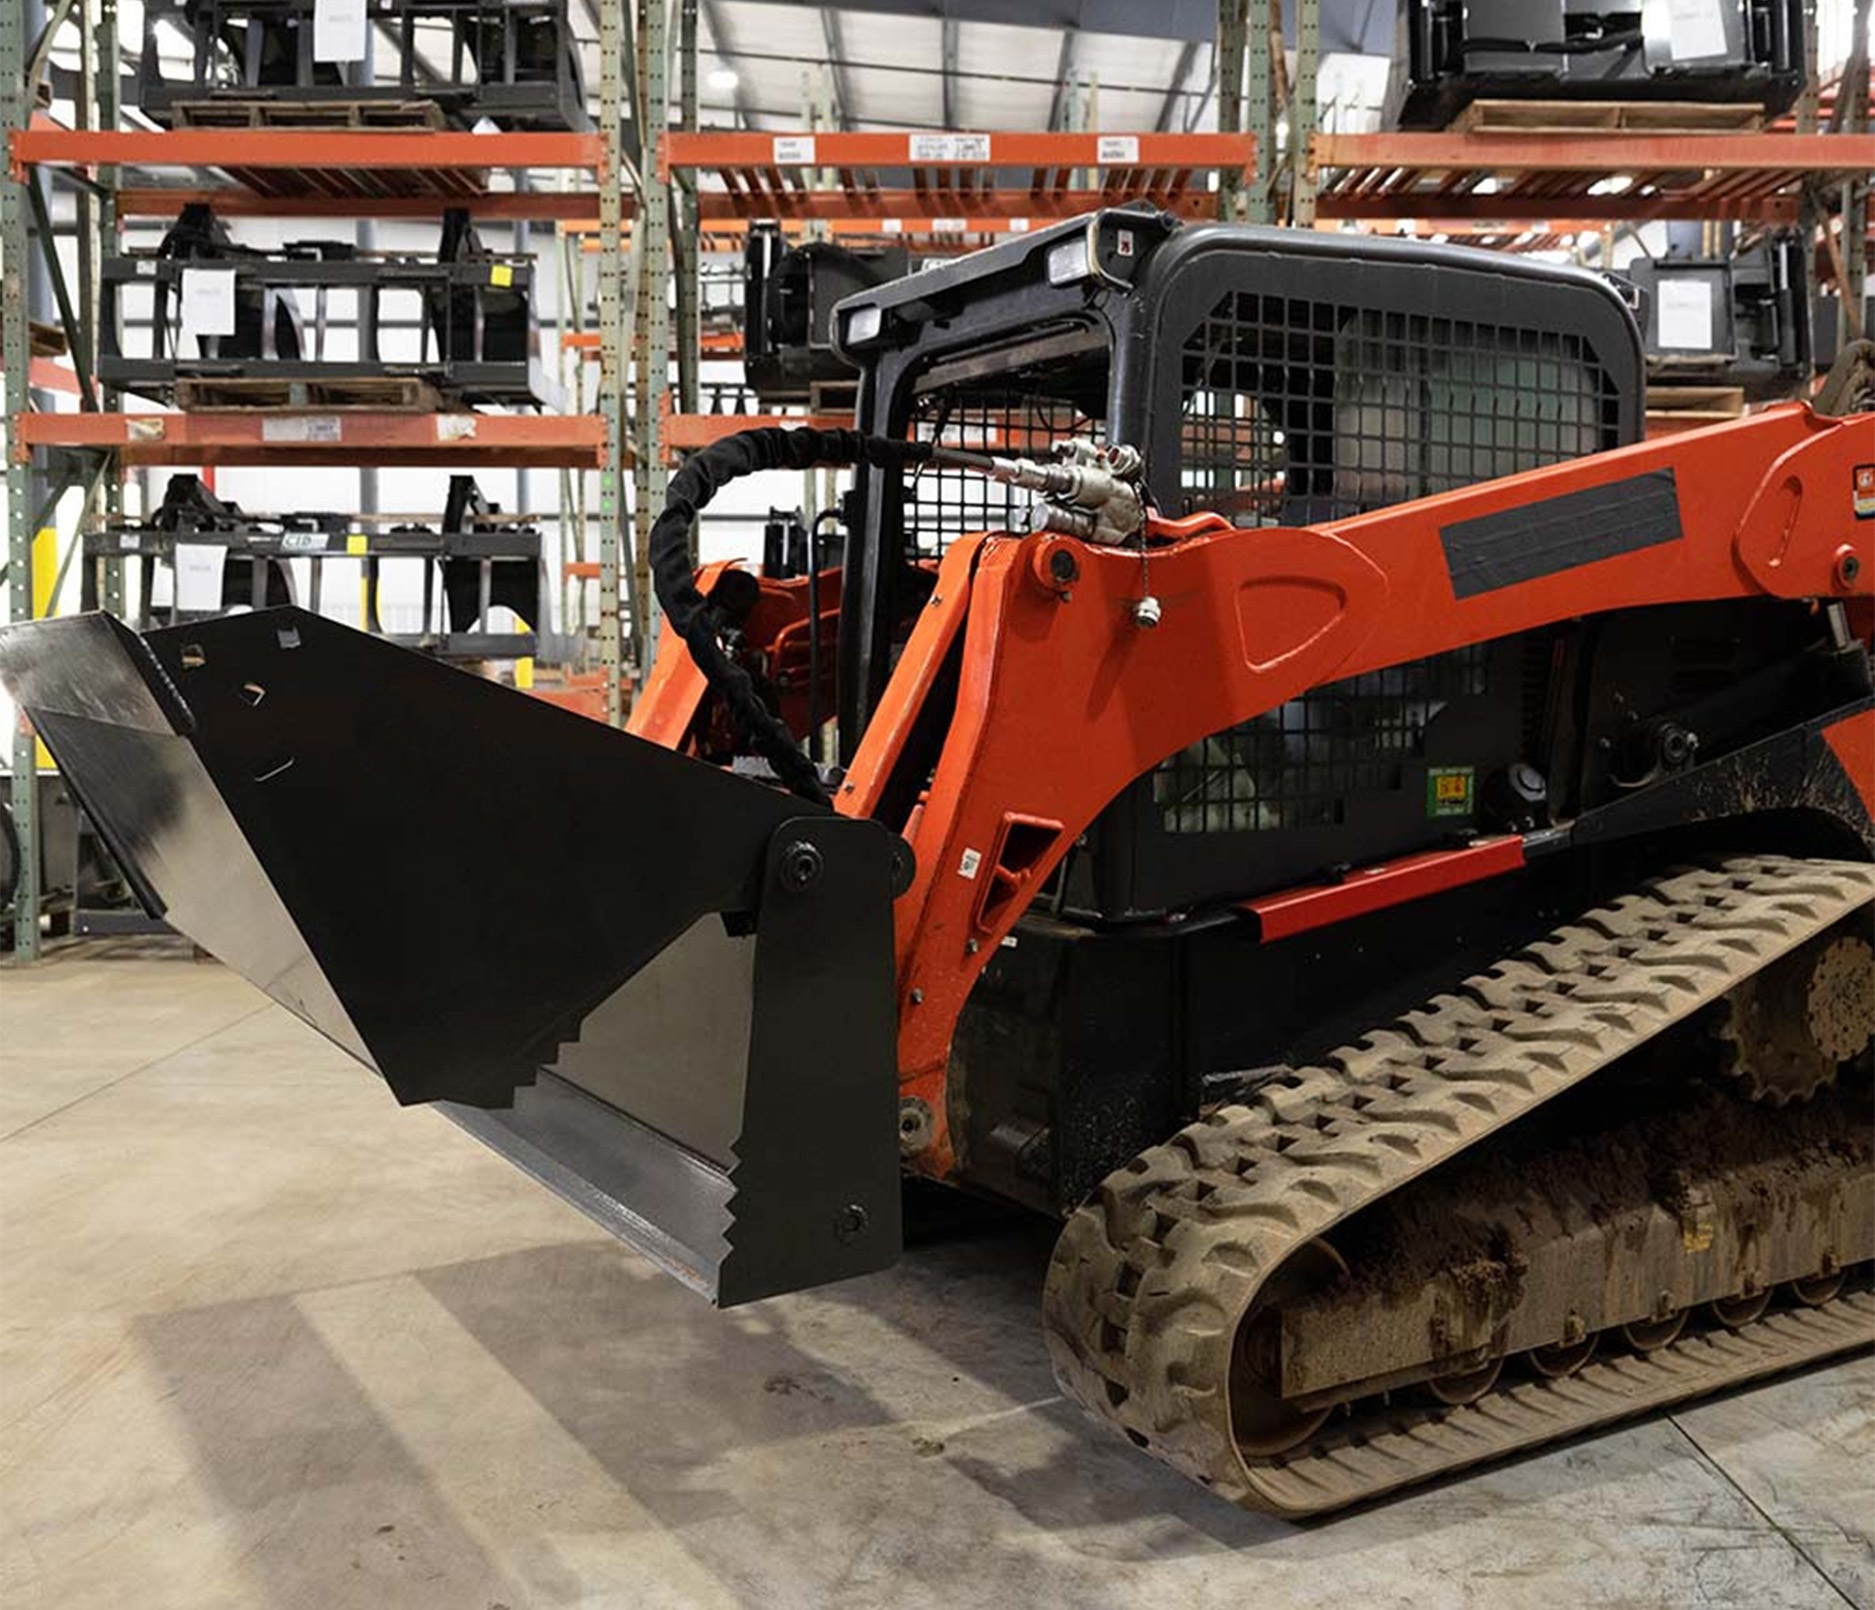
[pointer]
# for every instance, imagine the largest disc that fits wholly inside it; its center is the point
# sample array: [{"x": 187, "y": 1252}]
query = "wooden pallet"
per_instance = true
[
  {"x": 398, "y": 394},
  {"x": 273, "y": 114},
  {"x": 1686, "y": 407},
  {"x": 1608, "y": 117}
]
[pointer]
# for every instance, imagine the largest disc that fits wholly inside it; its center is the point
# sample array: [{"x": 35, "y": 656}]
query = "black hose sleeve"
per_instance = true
[{"x": 701, "y": 477}]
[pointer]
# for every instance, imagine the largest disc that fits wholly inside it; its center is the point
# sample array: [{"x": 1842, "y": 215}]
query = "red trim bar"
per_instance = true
[{"x": 1391, "y": 883}]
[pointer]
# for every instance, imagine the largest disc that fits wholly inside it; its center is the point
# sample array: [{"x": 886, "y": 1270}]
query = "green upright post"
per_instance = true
[
  {"x": 1852, "y": 98},
  {"x": 1227, "y": 65},
  {"x": 16, "y": 349},
  {"x": 611, "y": 351},
  {"x": 1302, "y": 114},
  {"x": 687, "y": 245},
  {"x": 106, "y": 90},
  {"x": 651, "y": 315}
]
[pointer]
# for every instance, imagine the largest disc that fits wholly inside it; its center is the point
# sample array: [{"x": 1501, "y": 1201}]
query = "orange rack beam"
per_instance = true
[
  {"x": 683, "y": 433},
  {"x": 711, "y": 343},
  {"x": 931, "y": 236},
  {"x": 955, "y": 179},
  {"x": 1756, "y": 177},
  {"x": 285, "y": 166},
  {"x": 233, "y": 201},
  {"x": 362, "y": 436}
]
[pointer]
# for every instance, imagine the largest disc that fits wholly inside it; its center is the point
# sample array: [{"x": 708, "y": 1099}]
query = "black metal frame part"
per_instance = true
[
  {"x": 480, "y": 560},
  {"x": 473, "y": 307},
  {"x": 788, "y": 297},
  {"x": 514, "y": 61},
  {"x": 1760, "y": 317},
  {"x": 211, "y": 756},
  {"x": 1448, "y": 53}
]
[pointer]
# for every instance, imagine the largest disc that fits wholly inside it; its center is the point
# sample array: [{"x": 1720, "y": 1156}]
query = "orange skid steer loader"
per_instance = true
[{"x": 1279, "y": 776}]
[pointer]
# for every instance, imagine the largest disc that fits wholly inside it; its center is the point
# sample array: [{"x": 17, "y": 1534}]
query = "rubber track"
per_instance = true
[{"x": 1151, "y": 1276}]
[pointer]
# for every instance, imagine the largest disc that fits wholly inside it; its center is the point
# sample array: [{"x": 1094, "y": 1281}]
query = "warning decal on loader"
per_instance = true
[
  {"x": 1865, "y": 491},
  {"x": 1449, "y": 790}
]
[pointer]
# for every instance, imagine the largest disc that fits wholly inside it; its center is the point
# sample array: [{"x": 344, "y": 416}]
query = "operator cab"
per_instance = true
[{"x": 1275, "y": 378}]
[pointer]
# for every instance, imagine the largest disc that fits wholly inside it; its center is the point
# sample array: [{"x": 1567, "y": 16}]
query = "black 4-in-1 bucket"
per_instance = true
[{"x": 663, "y": 990}]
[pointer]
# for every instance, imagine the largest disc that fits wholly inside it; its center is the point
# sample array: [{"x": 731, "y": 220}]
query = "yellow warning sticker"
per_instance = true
[
  {"x": 357, "y": 543},
  {"x": 501, "y": 274},
  {"x": 1449, "y": 790}
]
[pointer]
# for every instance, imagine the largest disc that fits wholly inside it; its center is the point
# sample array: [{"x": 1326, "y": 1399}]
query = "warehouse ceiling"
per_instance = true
[{"x": 990, "y": 65}]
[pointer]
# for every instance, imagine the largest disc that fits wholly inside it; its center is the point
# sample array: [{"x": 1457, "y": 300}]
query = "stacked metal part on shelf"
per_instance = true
[
  {"x": 1448, "y": 53},
  {"x": 513, "y": 62},
  {"x": 477, "y": 340},
  {"x": 788, "y": 298},
  {"x": 478, "y": 559},
  {"x": 1741, "y": 320}
]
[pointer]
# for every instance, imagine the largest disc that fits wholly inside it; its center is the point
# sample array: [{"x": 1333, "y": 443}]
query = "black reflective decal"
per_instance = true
[{"x": 1577, "y": 528}]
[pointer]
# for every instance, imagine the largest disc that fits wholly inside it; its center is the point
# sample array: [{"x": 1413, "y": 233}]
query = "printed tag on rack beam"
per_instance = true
[
  {"x": 949, "y": 147},
  {"x": 300, "y": 428}
]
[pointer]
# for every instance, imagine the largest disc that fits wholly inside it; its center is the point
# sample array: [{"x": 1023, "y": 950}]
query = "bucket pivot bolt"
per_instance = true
[{"x": 800, "y": 866}]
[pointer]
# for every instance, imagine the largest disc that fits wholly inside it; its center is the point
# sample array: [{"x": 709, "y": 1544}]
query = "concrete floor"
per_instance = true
[{"x": 267, "y": 1341}]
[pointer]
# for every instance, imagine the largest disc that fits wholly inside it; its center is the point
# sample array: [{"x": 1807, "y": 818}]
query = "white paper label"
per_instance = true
[
  {"x": 967, "y": 866},
  {"x": 1685, "y": 321},
  {"x": 455, "y": 427},
  {"x": 148, "y": 428},
  {"x": 1018, "y": 226},
  {"x": 893, "y": 226},
  {"x": 302, "y": 541},
  {"x": 208, "y": 301},
  {"x": 129, "y": 542},
  {"x": 338, "y": 30},
  {"x": 949, "y": 147},
  {"x": 794, "y": 150},
  {"x": 300, "y": 428},
  {"x": 198, "y": 575},
  {"x": 949, "y": 226},
  {"x": 1695, "y": 28},
  {"x": 1118, "y": 148}
]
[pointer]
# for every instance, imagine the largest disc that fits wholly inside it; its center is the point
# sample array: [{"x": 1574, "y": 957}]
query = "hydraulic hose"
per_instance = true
[{"x": 702, "y": 476}]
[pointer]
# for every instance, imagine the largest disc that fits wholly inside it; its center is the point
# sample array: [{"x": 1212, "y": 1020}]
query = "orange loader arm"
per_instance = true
[{"x": 1066, "y": 696}]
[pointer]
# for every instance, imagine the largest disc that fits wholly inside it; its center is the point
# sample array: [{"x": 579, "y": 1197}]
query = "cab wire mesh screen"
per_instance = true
[
  {"x": 1297, "y": 411},
  {"x": 941, "y": 505}
]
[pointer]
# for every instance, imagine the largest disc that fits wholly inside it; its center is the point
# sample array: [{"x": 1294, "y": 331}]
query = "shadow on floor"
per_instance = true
[
  {"x": 322, "y": 1503},
  {"x": 774, "y": 1440}
]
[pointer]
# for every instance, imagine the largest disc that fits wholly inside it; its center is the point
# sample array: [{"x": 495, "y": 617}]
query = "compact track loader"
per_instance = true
[{"x": 1281, "y": 777}]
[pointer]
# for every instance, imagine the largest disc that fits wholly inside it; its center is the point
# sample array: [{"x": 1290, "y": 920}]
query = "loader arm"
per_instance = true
[{"x": 1064, "y": 698}]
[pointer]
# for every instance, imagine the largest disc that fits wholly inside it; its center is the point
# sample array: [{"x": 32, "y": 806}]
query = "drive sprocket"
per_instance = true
[{"x": 1786, "y": 1031}]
